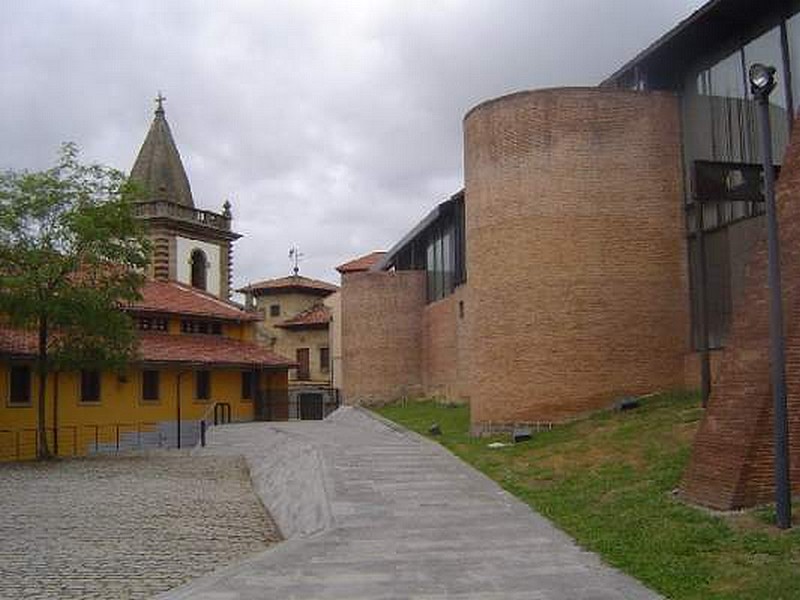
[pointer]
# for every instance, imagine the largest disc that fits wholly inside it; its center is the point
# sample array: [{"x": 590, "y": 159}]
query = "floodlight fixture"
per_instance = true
[{"x": 762, "y": 79}]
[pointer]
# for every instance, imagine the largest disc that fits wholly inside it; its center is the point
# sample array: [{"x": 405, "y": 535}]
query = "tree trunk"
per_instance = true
[{"x": 41, "y": 446}]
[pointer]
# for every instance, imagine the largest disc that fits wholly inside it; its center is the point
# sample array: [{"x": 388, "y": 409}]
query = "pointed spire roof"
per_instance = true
[{"x": 159, "y": 165}]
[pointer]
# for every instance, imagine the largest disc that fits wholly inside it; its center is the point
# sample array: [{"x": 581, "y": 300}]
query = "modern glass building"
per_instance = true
[{"x": 705, "y": 60}]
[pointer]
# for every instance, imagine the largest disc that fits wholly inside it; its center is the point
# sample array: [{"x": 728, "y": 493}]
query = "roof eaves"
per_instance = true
[
  {"x": 662, "y": 41},
  {"x": 388, "y": 259}
]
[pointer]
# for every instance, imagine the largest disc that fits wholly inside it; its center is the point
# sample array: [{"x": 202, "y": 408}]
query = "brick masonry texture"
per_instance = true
[
  {"x": 575, "y": 251},
  {"x": 445, "y": 347},
  {"x": 381, "y": 333},
  {"x": 732, "y": 457}
]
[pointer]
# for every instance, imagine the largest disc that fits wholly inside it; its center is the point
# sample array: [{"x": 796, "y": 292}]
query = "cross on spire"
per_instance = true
[{"x": 160, "y": 102}]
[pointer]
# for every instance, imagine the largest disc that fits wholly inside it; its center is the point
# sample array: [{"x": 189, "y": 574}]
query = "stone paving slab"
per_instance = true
[
  {"x": 406, "y": 520},
  {"x": 124, "y": 527}
]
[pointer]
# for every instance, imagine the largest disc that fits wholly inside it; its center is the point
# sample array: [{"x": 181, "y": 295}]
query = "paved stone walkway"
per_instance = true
[
  {"x": 396, "y": 516},
  {"x": 124, "y": 527}
]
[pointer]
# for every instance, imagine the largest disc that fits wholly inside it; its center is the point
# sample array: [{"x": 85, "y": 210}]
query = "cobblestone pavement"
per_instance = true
[{"x": 124, "y": 527}]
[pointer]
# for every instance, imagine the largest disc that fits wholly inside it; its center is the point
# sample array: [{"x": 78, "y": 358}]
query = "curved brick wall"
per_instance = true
[{"x": 575, "y": 250}]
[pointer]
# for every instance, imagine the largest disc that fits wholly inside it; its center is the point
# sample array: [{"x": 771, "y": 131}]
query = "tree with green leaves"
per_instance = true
[{"x": 72, "y": 254}]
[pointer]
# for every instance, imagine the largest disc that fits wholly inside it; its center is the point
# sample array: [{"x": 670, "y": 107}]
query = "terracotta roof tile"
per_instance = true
[
  {"x": 362, "y": 263},
  {"x": 291, "y": 283},
  {"x": 171, "y": 297},
  {"x": 155, "y": 347},
  {"x": 316, "y": 316},
  {"x": 206, "y": 350},
  {"x": 17, "y": 342}
]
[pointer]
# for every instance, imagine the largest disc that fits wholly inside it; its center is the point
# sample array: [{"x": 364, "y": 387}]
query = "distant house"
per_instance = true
[
  {"x": 196, "y": 355},
  {"x": 294, "y": 322}
]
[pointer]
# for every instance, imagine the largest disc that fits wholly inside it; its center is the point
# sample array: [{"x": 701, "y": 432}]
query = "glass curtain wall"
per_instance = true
[
  {"x": 440, "y": 253},
  {"x": 793, "y": 41},
  {"x": 721, "y": 138}
]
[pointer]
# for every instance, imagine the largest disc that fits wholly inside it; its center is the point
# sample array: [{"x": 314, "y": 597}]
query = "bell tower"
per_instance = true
[{"x": 190, "y": 245}]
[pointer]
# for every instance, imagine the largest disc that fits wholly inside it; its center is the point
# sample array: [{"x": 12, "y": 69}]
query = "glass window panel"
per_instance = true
[
  {"x": 247, "y": 385},
  {"x": 793, "y": 33},
  {"x": 429, "y": 268},
  {"x": 90, "y": 386},
  {"x": 437, "y": 262},
  {"x": 727, "y": 78},
  {"x": 150, "y": 385},
  {"x": 730, "y": 115},
  {"x": 20, "y": 386},
  {"x": 447, "y": 261},
  {"x": 203, "y": 385}
]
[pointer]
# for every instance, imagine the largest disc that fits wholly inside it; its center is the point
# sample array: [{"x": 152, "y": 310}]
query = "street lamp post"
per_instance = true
[{"x": 762, "y": 82}]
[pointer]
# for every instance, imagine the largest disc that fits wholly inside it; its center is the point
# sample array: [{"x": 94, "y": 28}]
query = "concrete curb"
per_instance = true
[{"x": 289, "y": 477}]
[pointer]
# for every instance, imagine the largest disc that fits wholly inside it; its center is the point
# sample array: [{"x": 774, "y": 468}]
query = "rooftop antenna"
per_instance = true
[{"x": 294, "y": 259}]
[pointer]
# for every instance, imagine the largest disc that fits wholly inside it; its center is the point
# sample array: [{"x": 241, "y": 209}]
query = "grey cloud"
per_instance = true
[{"x": 331, "y": 125}]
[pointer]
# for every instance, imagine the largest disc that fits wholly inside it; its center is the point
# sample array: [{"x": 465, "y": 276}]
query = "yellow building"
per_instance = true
[
  {"x": 196, "y": 352},
  {"x": 295, "y": 323}
]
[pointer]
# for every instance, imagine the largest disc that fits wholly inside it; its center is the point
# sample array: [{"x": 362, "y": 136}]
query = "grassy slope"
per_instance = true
[{"x": 607, "y": 481}]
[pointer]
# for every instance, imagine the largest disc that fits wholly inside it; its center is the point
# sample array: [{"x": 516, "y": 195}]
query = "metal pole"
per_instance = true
[
  {"x": 783, "y": 502},
  {"x": 178, "y": 423},
  {"x": 705, "y": 359}
]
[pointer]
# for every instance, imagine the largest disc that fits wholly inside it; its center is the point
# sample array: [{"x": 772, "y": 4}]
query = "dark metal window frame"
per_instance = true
[
  {"x": 202, "y": 385},
  {"x": 248, "y": 385},
  {"x": 151, "y": 385},
  {"x": 204, "y": 327},
  {"x": 324, "y": 359},
  {"x": 91, "y": 386},
  {"x": 19, "y": 385}
]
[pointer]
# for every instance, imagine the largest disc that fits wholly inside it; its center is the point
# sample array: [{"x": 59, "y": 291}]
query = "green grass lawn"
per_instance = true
[{"x": 607, "y": 480}]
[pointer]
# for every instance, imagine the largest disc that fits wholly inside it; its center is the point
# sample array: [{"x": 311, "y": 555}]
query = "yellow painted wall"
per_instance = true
[
  {"x": 121, "y": 406},
  {"x": 121, "y": 409}
]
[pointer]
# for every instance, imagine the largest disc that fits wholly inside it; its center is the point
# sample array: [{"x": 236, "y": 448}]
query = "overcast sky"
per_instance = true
[{"x": 333, "y": 126}]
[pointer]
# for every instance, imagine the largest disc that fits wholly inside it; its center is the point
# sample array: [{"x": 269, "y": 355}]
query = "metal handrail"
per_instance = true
[
  {"x": 17, "y": 447},
  {"x": 222, "y": 415}
]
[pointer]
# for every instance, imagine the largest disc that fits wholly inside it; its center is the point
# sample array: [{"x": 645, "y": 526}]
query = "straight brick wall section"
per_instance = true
[
  {"x": 575, "y": 250},
  {"x": 382, "y": 335},
  {"x": 732, "y": 463},
  {"x": 444, "y": 348}
]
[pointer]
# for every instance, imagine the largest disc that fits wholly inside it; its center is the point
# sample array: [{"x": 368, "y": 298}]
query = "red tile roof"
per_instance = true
[
  {"x": 201, "y": 349},
  {"x": 171, "y": 297},
  {"x": 17, "y": 342},
  {"x": 362, "y": 263},
  {"x": 155, "y": 347},
  {"x": 315, "y": 317},
  {"x": 289, "y": 284}
]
